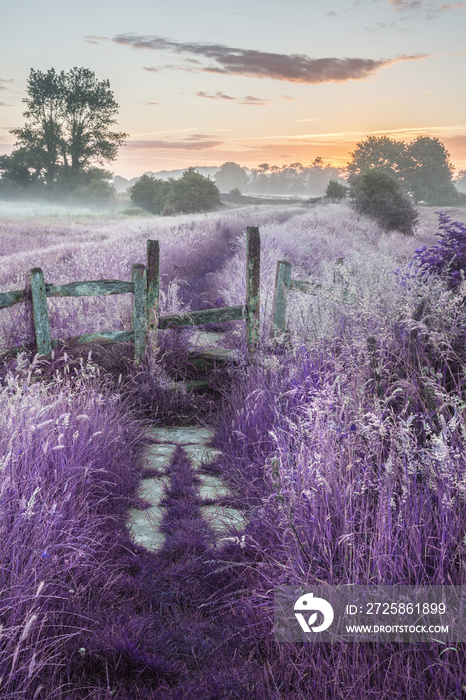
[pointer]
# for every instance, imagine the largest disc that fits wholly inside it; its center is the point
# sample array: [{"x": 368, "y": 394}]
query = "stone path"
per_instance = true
[{"x": 144, "y": 525}]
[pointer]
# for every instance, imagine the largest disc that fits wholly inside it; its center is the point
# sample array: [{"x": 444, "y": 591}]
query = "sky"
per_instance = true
[{"x": 249, "y": 81}]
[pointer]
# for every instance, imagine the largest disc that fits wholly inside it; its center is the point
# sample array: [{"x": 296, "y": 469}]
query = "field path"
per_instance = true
[{"x": 184, "y": 493}]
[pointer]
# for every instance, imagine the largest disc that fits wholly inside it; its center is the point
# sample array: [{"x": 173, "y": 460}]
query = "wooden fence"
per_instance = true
[
  {"x": 284, "y": 284},
  {"x": 145, "y": 287}
]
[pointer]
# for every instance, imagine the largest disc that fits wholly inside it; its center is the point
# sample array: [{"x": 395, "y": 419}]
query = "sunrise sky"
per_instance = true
[{"x": 250, "y": 81}]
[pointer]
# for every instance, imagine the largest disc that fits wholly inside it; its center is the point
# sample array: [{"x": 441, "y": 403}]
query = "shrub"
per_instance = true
[
  {"x": 150, "y": 194},
  {"x": 193, "y": 192},
  {"x": 448, "y": 257},
  {"x": 335, "y": 190},
  {"x": 379, "y": 195}
]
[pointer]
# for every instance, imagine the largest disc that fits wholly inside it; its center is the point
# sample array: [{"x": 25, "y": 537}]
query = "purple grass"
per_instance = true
[{"x": 343, "y": 443}]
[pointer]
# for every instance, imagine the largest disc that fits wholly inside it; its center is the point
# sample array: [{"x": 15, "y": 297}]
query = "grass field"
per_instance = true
[{"x": 343, "y": 443}]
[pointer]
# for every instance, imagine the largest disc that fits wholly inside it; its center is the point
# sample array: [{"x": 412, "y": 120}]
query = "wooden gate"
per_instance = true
[{"x": 145, "y": 287}]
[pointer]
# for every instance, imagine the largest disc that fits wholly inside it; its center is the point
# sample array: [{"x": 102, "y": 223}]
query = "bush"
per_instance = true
[
  {"x": 379, "y": 195},
  {"x": 150, "y": 194},
  {"x": 448, "y": 258},
  {"x": 335, "y": 190},
  {"x": 193, "y": 192}
]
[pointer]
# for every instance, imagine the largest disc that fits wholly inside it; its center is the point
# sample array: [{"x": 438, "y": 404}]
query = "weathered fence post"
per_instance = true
[
  {"x": 39, "y": 311},
  {"x": 339, "y": 278},
  {"x": 153, "y": 290},
  {"x": 252, "y": 287},
  {"x": 280, "y": 297},
  {"x": 139, "y": 277}
]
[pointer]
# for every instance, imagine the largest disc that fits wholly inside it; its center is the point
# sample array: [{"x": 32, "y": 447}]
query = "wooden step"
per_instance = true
[{"x": 214, "y": 354}]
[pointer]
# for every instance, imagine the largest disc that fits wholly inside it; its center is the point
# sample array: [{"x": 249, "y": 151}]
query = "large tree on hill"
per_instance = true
[
  {"x": 379, "y": 152},
  {"x": 69, "y": 117},
  {"x": 231, "y": 176},
  {"x": 431, "y": 172},
  {"x": 423, "y": 166}
]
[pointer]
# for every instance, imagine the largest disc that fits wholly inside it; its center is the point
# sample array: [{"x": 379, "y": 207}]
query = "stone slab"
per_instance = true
[
  {"x": 188, "y": 435},
  {"x": 153, "y": 489},
  {"x": 159, "y": 456},
  {"x": 212, "y": 488},
  {"x": 143, "y": 526}
]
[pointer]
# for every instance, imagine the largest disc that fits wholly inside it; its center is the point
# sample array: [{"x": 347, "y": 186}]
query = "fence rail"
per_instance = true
[
  {"x": 284, "y": 284},
  {"x": 145, "y": 287}
]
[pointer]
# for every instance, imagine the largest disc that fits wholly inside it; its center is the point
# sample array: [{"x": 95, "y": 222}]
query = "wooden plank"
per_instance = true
[
  {"x": 139, "y": 277},
  {"x": 91, "y": 288},
  {"x": 252, "y": 287},
  {"x": 39, "y": 311},
  {"x": 215, "y": 354},
  {"x": 10, "y": 298},
  {"x": 153, "y": 291},
  {"x": 280, "y": 297},
  {"x": 104, "y": 337},
  {"x": 199, "y": 318}
]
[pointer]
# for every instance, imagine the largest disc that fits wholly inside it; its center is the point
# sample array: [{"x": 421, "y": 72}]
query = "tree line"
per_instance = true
[{"x": 68, "y": 136}]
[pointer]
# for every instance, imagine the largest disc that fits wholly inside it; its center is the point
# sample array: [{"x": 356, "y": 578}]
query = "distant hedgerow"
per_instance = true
[{"x": 448, "y": 257}]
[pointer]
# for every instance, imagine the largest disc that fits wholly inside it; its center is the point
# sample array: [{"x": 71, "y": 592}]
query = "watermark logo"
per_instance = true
[{"x": 308, "y": 604}]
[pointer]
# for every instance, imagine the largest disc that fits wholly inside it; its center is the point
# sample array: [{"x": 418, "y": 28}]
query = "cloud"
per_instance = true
[
  {"x": 186, "y": 145},
  {"x": 4, "y": 84},
  {"x": 217, "y": 96},
  {"x": 198, "y": 137},
  {"x": 151, "y": 104},
  {"x": 295, "y": 68},
  {"x": 248, "y": 100},
  {"x": 428, "y": 8}
]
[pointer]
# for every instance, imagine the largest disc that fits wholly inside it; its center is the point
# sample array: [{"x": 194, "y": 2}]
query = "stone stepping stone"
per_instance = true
[
  {"x": 152, "y": 489},
  {"x": 212, "y": 488},
  {"x": 200, "y": 454},
  {"x": 188, "y": 435},
  {"x": 144, "y": 525},
  {"x": 222, "y": 519},
  {"x": 159, "y": 456}
]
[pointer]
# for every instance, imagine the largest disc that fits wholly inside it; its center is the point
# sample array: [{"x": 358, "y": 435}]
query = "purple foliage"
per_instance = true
[
  {"x": 448, "y": 257},
  {"x": 346, "y": 454}
]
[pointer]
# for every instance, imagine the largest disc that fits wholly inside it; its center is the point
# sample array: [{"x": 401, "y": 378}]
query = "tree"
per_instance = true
[
  {"x": 423, "y": 166},
  {"x": 379, "y": 152},
  {"x": 379, "y": 195},
  {"x": 150, "y": 193},
  {"x": 68, "y": 120},
  {"x": 231, "y": 176},
  {"x": 430, "y": 172},
  {"x": 193, "y": 192},
  {"x": 335, "y": 190}
]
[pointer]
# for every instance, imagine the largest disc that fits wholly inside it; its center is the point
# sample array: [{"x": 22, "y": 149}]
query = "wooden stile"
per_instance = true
[
  {"x": 252, "y": 287},
  {"x": 145, "y": 287},
  {"x": 139, "y": 277},
  {"x": 39, "y": 311},
  {"x": 153, "y": 291},
  {"x": 280, "y": 297}
]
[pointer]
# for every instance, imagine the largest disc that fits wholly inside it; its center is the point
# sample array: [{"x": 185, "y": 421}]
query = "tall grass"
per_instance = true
[{"x": 343, "y": 442}]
